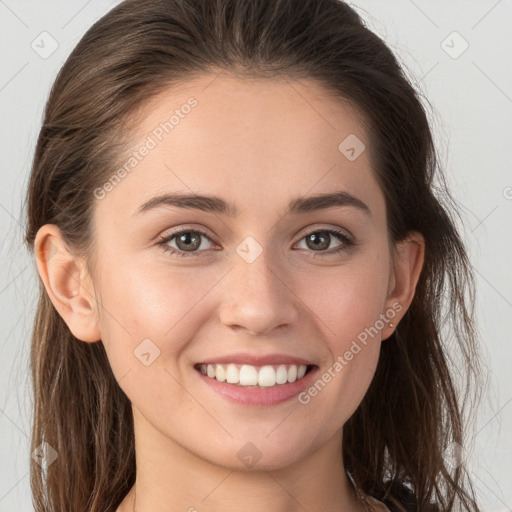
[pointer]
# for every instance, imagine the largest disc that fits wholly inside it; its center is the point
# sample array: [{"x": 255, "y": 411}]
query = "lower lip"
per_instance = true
[{"x": 259, "y": 397}]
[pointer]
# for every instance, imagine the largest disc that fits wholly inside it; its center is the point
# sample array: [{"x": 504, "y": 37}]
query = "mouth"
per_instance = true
[{"x": 251, "y": 376}]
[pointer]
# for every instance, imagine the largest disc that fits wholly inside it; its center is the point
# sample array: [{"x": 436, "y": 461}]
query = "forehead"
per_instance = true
[
  {"x": 259, "y": 113},
  {"x": 250, "y": 140}
]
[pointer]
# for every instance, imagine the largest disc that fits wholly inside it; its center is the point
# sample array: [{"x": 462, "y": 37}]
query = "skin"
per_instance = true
[{"x": 258, "y": 143}]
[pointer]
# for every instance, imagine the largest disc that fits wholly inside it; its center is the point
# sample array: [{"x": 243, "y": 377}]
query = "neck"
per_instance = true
[{"x": 171, "y": 478}]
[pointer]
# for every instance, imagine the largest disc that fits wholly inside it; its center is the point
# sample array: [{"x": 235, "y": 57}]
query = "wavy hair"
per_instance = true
[{"x": 395, "y": 443}]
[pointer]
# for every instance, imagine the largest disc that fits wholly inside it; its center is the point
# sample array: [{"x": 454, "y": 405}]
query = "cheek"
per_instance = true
[
  {"x": 348, "y": 303},
  {"x": 348, "y": 299},
  {"x": 153, "y": 301}
]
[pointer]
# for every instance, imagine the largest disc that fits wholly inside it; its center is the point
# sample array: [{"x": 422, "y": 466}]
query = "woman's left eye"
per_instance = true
[
  {"x": 189, "y": 241},
  {"x": 322, "y": 238}
]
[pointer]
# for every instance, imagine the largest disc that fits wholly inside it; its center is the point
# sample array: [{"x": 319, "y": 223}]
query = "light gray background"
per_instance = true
[{"x": 472, "y": 94}]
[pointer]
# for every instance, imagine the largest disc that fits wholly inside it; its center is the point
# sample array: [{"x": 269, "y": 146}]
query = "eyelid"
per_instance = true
[
  {"x": 323, "y": 227},
  {"x": 187, "y": 227}
]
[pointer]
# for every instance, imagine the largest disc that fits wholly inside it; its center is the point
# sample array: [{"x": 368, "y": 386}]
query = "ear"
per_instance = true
[
  {"x": 67, "y": 283},
  {"x": 406, "y": 269}
]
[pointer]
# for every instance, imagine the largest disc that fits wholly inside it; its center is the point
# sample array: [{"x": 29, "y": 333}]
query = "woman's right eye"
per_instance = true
[{"x": 189, "y": 239}]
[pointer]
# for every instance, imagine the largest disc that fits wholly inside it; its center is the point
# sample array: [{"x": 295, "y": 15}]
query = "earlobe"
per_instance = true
[
  {"x": 67, "y": 283},
  {"x": 407, "y": 266}
]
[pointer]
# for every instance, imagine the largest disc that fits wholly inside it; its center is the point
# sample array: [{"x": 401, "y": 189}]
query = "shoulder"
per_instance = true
[
  {"x": 401, "y": 494},
  {"x": 377, "y": 506}
]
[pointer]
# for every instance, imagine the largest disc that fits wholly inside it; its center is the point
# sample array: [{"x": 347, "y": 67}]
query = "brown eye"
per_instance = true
[
  {"x": 320, "y": 240},
  {"x": 187, "y": 241}
]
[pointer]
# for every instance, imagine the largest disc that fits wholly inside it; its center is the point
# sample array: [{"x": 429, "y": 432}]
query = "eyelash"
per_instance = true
[{"x": 346, "y": 242}]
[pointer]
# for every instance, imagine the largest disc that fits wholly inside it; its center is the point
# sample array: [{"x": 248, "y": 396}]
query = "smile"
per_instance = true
[{"x": 246, "y": 375}]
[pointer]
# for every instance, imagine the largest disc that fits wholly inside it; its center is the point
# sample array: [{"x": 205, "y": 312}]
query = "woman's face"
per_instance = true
[{"x": 266, "y": 284}]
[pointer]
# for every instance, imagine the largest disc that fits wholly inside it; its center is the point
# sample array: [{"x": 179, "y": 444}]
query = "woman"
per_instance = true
[{"x": 243, "y": 270}]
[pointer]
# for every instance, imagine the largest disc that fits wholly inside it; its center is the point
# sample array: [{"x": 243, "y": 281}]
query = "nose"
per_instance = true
[{"x": 259, "y": 297}]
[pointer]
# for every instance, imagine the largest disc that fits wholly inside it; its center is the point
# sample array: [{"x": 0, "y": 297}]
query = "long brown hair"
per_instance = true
[{"x": 395, "y": 444}]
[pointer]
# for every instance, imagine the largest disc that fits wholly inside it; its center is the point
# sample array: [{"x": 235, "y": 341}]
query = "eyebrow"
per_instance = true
[{"x": 215, "y": 204}]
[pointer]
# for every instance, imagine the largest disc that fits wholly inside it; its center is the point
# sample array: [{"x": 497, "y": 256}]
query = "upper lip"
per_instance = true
[{"x": 254, "y": 360}]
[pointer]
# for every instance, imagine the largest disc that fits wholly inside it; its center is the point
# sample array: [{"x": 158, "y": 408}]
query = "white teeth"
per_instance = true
[
  {"x": 267, "y": 376},
  {"x": 292, "y": 373},
  {"x": 282, "y": 374},
  {"x": 220, "y": 374},
  {"x": 248, "y": 375},
  {"x": 232, "y": 374}
]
